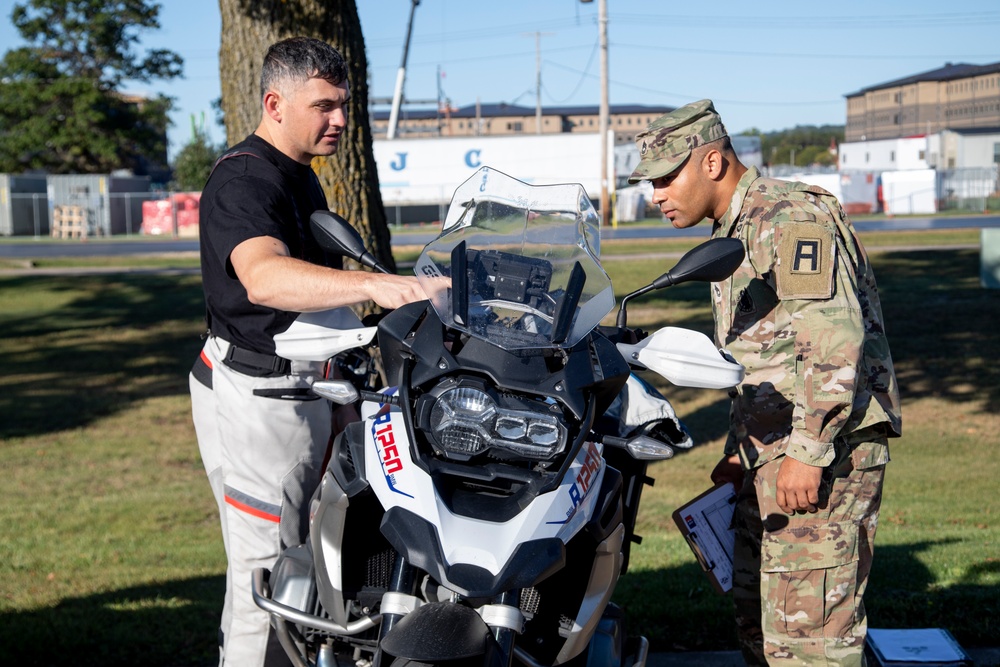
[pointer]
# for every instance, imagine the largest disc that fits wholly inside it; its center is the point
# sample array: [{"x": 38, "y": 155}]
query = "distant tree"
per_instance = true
[
  {"x": 349, "y": 178},
  {"x": 194, "y": 161},
  {"x": 807, "y": 144},
  {"x": 814, "y": 154},
  {"x": 61, "y": 105}
]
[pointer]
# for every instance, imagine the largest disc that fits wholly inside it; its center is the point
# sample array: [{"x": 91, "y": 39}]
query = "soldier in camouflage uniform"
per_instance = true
[{"x": 809, "y": 424}]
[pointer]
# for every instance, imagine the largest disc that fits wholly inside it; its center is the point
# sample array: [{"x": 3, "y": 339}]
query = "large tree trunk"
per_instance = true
[{"x": 349, "y": 178}]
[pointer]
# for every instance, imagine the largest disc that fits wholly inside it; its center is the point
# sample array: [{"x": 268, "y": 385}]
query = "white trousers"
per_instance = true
[{"x": 263, "y": 456}]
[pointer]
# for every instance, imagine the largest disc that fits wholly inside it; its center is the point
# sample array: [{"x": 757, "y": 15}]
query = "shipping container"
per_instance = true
[
  {"x": 113, "y": 204},
  {"x": 24, "y": 207}
]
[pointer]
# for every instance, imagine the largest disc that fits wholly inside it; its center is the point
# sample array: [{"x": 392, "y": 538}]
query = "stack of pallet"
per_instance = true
[{"x": 70, "y": 222}]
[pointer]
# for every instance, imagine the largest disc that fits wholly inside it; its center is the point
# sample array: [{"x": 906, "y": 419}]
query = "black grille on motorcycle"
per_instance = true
[
  {"x": 379, "y": 569},
  {"x": 530, "y": 600}
]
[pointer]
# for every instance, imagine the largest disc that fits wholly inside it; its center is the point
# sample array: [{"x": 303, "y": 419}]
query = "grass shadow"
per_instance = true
[
  {"x": 173, "y": 624},
  {"x": 901, "y": 594},
  {"x": 111, "y": 341},
  {"x": 941, "y": 325},
  {"x": 939, "y": 319}
]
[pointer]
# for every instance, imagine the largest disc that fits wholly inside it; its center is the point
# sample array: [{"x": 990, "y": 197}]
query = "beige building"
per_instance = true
[
  {"x": 956, "y": 96},
  {"x": 626, "y": 120}
]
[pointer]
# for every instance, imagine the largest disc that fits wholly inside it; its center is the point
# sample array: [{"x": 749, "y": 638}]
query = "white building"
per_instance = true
[
  {"x": 953, "y": 168},
  {"x": 973, "y": 148},
  {"x": 885, "y": 154}
]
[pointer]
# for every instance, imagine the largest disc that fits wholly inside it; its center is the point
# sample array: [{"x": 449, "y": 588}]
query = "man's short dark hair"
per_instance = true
[
  {"x": 300, "y": 59},
  {"x": 723, "y": 145}
]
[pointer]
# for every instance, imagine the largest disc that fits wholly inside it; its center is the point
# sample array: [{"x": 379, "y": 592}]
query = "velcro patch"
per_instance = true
[{"x": 805, "y": 262}]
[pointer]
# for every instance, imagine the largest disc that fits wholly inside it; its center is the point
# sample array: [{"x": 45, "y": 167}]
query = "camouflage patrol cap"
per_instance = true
[{"x": 667, "y": 142}]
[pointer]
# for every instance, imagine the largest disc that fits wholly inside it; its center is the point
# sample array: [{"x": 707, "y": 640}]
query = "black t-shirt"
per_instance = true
[{"x": 254, "y": 190}]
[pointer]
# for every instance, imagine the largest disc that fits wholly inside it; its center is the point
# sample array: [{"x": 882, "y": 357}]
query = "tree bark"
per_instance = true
[{"x": 349, "y": 178}]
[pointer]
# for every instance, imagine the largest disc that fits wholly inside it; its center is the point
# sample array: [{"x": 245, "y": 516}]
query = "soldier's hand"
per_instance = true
[
  {"x": 729, "y": 470},
  {"x": 798, "y": 486}
]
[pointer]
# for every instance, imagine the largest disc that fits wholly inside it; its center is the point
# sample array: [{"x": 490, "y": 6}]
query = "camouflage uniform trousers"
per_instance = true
[{"x": 799, "y": 580}]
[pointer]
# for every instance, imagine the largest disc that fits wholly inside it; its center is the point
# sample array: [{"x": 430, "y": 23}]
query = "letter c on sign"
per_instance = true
[
  {"x": 400, "y": 163},
  {"x": 472, "y": 158}
]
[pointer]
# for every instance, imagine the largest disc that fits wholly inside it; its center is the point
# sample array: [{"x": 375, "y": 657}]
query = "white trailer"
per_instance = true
[{"x": 420, "y": 172}]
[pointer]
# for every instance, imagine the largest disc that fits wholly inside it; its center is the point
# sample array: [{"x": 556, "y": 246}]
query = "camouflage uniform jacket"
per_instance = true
[{"x": 802, "y": 314}]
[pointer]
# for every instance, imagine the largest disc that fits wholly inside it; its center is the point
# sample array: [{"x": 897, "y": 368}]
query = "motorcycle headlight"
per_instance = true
[{"x": 467, "y": 421}]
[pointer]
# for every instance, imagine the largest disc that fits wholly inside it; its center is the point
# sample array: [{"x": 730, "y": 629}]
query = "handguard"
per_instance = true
[
  {"x": 321, "y": 335},
  {"x": 686, "y": 358}
]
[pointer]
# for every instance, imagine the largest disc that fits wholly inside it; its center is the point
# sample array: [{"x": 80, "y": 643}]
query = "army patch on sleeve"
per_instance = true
[{"x": 805, "y": 262}]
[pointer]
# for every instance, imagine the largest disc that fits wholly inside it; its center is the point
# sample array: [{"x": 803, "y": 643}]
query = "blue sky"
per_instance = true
[{"x": 770, "y": 64}]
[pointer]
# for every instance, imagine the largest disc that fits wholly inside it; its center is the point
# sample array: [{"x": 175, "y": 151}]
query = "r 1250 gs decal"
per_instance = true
[
  {"x": 388, "y": 452},
  {"x": 584, "y": 480}
]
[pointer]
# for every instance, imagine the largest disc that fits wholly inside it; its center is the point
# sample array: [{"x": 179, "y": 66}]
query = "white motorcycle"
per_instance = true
[{"x": 481, "y": 511}]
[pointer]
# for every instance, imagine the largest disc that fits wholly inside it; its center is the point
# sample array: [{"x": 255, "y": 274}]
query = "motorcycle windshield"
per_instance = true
[{"x": 516, "y": 264}]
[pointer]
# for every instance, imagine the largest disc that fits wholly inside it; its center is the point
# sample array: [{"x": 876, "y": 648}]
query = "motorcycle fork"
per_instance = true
[
  {"x": 403, "y": 580},
  {"x": 506, "y": 636}
]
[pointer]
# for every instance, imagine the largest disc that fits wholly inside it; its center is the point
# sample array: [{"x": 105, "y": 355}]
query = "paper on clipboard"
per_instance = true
[{"x": 705, "y": 523}]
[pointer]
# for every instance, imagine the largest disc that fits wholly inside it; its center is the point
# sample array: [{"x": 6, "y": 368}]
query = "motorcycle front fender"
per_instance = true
[{"x": 440, "y": 631}]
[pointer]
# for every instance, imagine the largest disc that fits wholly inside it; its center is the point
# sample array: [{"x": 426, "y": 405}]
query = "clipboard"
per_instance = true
[
  {"x": 705, "y": 522},
  {"x": 920, "y": 647}
]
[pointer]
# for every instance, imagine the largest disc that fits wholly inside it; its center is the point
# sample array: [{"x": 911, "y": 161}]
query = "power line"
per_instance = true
[
  {"x": 819, "y": 56},
  {"x": 580, "y": 82},
  {"x": 781, "y": 22},
  {"x": 664, "y": 93},
  {"x": 479, "y": 34}
]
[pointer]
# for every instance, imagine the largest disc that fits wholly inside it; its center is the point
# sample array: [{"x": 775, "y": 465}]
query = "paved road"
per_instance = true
[{"x": 141, "y": 245}]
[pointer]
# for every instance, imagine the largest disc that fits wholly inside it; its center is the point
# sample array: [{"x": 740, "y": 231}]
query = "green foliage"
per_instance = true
[
  {"x": 61, "y": 107},
  {"x": 194, "y": 161},
  {"x": 803, "y": 145}
]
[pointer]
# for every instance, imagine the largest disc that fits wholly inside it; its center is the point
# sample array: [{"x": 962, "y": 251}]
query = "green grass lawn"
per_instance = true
[{"x": 111, "y": 553}]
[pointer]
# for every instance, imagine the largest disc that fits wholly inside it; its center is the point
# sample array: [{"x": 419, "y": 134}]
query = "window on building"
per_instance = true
[
  {"x": 892, "y": 156},
  {"x": 921, "y": 154},
  {"x": 867, "y": 157},
  {"x": 996, "y": 153}
]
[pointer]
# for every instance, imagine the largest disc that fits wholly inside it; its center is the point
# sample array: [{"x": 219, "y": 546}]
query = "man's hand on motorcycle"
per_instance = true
[
  {"x": 730, "y": 470},
  {"x": 798, "y": 486}
]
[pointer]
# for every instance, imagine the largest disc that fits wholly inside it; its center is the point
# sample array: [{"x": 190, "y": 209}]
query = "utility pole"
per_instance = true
[
  {"x": 538, "y": 83},
  {"x": 397, "y": 96},
  {"x": 603, "y": 116},
  {"x": 538, "y": 79}
]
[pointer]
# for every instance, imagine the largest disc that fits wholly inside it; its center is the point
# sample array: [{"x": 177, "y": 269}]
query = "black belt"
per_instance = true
[{"x": 256, "y": 364}]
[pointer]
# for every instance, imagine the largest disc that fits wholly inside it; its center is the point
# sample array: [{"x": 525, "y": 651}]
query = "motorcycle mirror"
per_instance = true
[
  {"x": 334, "y": 234},
  {"x": 340, "y": 392},
  {"x": 712, "y": 261}
]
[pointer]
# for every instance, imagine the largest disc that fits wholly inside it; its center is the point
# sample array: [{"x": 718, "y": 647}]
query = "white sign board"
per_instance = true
[{"x": 427, "y": 171}]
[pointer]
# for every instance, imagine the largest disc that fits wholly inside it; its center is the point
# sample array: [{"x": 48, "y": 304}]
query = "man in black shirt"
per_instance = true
[{"x": 261, "y": 267}]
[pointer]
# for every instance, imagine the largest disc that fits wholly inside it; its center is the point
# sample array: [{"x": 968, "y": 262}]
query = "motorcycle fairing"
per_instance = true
[
  {"x": 414, "y": 334},
  {"x": 490, "y": 545},
  {"x": 420, "y": 543}
]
